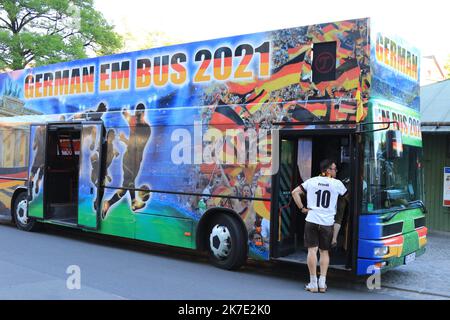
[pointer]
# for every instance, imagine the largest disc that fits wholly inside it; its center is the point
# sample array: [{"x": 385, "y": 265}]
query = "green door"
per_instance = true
[
  {"x": 89, "y": 183},
  {"x": 36, "y": 170}
]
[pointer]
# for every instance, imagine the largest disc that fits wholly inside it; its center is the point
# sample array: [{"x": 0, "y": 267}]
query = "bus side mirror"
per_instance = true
[{"x": 394, "y": 144}]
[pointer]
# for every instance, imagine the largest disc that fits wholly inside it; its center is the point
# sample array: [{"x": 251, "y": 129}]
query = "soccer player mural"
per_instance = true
[
  {"x": 37, "y": 168},
  {"x": 140, "y": 132}
]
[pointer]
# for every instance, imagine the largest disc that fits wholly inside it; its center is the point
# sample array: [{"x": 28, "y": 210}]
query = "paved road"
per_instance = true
[
  {"x": 33, "y": 266},
  {"x": 429, "y": 274}
]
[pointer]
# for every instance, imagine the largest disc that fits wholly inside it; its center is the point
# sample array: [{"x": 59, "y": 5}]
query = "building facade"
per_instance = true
[{"x": 435, "y": 111}]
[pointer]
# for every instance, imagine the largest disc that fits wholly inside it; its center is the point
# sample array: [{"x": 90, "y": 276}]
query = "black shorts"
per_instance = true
[{"x": 318, "y": 236}]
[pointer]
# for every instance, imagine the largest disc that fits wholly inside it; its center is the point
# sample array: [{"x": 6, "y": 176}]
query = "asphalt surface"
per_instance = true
[
  {"x": 34, "y": 265},
  {"x": 429, "y": 274}
]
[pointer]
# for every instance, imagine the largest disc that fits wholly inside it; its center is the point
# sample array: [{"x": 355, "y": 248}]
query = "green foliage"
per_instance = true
[{"x": 40, "y": 32}]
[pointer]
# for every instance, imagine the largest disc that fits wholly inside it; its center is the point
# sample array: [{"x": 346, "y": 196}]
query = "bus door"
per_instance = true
[
  {"x": 300, "y": 157},
  {"x": 90, "y": 175},
  {"x": 36, "y": 170},
  {"x": 285, "y": 217}
]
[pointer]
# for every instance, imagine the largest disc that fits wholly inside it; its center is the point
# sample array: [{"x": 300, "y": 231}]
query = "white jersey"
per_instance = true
[{"x": 322, "y": 195}]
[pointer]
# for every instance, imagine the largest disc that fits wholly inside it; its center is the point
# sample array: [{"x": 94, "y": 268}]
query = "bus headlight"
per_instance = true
[{"x": 382, "y": 251}]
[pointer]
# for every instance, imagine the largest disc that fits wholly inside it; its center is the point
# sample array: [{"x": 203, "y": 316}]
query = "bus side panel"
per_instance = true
[
  {"x": 7, "y": 189},
  {"x": 120, "y": 222},
  {"x": 13, "y": 163},
  {"x": 165, "y": 230}
]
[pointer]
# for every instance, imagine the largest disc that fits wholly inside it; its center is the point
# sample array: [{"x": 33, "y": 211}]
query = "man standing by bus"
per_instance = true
[{"x": 322, "y": 195}]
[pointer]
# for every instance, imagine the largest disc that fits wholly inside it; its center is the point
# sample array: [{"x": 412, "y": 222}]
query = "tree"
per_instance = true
[{"x": 40, "y": 32}]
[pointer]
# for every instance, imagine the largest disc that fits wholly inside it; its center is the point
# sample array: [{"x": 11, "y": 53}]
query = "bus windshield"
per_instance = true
[{"x": 393, "y": 183}]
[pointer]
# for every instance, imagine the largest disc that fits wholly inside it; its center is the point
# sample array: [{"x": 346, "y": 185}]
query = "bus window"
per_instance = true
[{"x": 392, "y": 182}]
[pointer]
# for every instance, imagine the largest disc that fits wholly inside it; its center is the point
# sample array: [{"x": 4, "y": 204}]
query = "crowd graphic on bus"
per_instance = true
[
  {"x": 140, "y": 132},
  {"x": 260, "y": 104}
]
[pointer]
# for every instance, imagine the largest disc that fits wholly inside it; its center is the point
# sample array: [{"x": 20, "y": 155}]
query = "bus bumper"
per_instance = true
[{"x": 382, "y": 255}]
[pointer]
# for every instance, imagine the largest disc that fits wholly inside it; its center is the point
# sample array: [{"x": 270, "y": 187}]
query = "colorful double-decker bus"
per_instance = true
[{"x": 199, "y": 145}]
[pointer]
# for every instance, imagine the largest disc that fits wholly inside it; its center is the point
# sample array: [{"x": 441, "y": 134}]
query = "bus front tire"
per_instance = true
[
  {"x": 20, "y": 212},
  {"x": 226, "y": 243}
]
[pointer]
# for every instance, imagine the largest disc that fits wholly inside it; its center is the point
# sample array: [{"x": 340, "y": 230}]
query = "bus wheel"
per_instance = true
[
  {"x": 226, "y": 243},
  {"x": 23, "y": 222}
]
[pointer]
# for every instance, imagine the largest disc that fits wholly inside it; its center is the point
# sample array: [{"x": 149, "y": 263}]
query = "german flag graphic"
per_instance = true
[
  {"x": 330, "y": 27},
  {"x": 262, "y": 208},
  {"x": 302, "y": 114},
  {"x": 360, "y": 112},
  {"x": 319, "y": 109},
  {"x": 347, "y": 25},
  {"x": 330, "y": 31},
  {"x": 294, "y": 52},
  {"x": 283, "y": 76},
  {"x": 256, "y": 103},
  {"x": 242, "y": 88},
  {"x": 225, "y": 114},
  {"x": 348, "y": 74},
  {"x": 348, "y": 107},
  {"x": 232, "y": 171}
]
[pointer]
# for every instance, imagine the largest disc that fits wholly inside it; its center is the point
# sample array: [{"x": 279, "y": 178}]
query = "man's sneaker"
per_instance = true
[{"x": 311, "y": 288}]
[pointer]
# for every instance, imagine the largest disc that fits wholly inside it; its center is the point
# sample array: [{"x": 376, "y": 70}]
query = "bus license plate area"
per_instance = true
[{"x": 410, "y": 258}]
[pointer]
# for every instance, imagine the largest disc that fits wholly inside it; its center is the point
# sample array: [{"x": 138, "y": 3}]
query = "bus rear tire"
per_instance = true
[
  {"x": 20, "y": 214},
  {"x": 226, "y": 243}
]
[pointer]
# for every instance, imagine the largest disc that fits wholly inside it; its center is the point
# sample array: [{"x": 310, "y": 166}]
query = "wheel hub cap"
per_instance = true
[
  {"x": 21, "y": 212},
  {"x": 220, "y": 241}
]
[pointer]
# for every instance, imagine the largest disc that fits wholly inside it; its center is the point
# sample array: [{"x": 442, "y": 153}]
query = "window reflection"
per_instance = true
[{"x": 390, "y": 183}]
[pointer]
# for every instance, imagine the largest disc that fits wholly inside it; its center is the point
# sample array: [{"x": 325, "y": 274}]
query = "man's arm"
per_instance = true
[{"x": 298, "y": 200}]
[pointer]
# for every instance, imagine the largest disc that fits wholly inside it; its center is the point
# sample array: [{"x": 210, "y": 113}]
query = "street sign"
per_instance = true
[{"x": 446, "y": 190}]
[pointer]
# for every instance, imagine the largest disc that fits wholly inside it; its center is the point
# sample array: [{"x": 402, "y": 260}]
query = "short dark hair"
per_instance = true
[{"x": 326, "y": 164}]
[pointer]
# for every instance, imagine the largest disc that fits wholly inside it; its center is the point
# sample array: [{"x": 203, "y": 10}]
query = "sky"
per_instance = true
[{"x": 424, "y": 24}]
